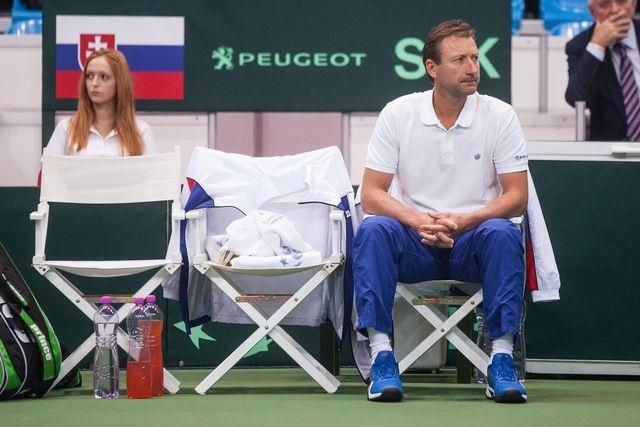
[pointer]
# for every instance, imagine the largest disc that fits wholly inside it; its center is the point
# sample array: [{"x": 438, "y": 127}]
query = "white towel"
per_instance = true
[
  {"x": 212, "y": 245},
  {"x": 294, "y": 259},
  {"x": 263, "y": 233}
]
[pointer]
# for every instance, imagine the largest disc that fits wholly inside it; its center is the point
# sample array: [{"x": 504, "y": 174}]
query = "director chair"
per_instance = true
[
  {"x": 542, "y": 280},
  {"x": 83, "y": 180},
  {"x": 314, "y": 192},
  {"x": 428, "y": 299}
]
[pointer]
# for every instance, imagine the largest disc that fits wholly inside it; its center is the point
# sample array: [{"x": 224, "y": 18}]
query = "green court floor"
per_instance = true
[{"x": 288, "y": 397}]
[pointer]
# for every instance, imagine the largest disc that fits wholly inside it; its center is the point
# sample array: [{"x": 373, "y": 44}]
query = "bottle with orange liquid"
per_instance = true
[
  {"x": 156, "y": 318},
  {"x": 139, "y": 362}
]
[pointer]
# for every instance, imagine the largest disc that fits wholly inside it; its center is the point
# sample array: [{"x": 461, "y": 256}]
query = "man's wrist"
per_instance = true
[{"x": 595, "y": 49}]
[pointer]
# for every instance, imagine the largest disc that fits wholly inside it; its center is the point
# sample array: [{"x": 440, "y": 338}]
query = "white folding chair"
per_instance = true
[
  {"x": 428, "y": 299},
  {"x": 313, "y": 191},
  {"x": 106, "y": 180},
  {"x": 443, "y": 326}
]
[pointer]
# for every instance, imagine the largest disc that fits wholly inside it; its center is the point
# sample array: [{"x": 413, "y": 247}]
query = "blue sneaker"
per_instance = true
[
  {"x": 385, "y": 385},
  {"x": 503, "y": 385}
]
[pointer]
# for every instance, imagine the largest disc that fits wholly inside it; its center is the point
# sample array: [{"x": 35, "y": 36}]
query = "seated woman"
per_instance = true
[{"x": 105, "y": 123}]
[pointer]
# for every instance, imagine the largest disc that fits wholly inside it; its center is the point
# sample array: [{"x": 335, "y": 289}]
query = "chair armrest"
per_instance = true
[
  {"x": 177, "y": 214},
  {"x": 41, "y": 218},
  {"x": 37, "y": 216},
  {"x": 194, "y": 214},
  {"x": 40, "y": 213},
  {"x": 336, "y": 216}
]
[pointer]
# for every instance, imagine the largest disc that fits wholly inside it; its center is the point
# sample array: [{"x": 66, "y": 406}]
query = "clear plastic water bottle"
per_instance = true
[
  {"x": 519, "y": 350},
  {"x": 155, "y": 316},
  {"x": 483, "y": 342},
  {"x": 106, "y": 372},
  {"x": 139, "y": 361},
  {"x": 519, "y": 347}
]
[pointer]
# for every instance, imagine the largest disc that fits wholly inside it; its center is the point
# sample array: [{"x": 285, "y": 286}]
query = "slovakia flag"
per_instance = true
[{"x": 153, "y": 46}]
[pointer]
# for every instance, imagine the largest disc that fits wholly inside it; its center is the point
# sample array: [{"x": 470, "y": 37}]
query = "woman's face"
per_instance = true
[{"x": 101, "y": 85}]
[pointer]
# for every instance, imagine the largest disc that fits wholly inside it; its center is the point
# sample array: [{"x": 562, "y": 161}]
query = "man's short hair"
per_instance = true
[{"x": 452, "y": 27}]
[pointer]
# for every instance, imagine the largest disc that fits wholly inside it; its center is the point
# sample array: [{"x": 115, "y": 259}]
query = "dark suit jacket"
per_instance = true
[{"x": 596, "y": 83}]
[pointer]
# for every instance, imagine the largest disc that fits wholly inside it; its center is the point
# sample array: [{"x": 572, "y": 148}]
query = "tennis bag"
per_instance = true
[{"x": 30, "y": 354}]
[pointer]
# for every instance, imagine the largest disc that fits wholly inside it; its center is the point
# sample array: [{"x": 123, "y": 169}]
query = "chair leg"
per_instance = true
[
  {"x": 329, "y": 353},
  {"x": 306, "y": 361},
  {"x": 464, "y": 371}
]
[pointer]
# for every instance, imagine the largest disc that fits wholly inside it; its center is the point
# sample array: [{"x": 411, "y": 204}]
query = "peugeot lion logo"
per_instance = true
[{"x": 223, "y": 58}]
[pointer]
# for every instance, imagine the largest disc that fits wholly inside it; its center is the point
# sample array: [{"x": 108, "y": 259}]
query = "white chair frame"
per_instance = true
[
  {"x": 445, "y": 326},
  {"x": 269, "y": 326},
  {"x": 104, "y": 180}
]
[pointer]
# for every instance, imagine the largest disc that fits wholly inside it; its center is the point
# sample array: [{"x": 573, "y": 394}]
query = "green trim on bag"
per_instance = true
[
  {"x": 15, "y": 291},
  {"x": 55, "y": 346},
  {"x": 48, "y": 362},
  {"x": 56, "y": 350},
  {"x": 13, "y": 380}
]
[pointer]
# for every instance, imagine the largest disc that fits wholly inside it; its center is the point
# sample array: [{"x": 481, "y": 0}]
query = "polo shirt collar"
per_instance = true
[
  {"x": 113, "y": 132},
  {"x": 428, "y": 113}
]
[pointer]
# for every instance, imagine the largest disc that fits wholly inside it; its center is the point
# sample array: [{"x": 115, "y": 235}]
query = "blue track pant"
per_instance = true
[{"x": 386, "y": 252}]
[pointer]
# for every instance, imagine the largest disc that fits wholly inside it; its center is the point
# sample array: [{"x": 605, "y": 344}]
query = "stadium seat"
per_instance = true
[{"x": 565, "y": 17}]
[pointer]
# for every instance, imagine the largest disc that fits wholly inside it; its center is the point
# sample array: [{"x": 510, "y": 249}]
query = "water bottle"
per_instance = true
[
  {"x": 106, "y": 371},
  {"x": 156, "y": 318},
  {"x": 139, "y": 361},
  {"x": 519, "y": 347},
  {"x": 483, "y": 342}
]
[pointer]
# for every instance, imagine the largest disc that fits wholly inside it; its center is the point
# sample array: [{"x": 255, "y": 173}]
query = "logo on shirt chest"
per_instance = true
[{"x": 477, "y": 156}]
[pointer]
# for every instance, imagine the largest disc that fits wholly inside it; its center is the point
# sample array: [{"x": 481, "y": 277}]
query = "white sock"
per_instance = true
[
  {"x": 378, "y": 341},
  {"x": 503, "y": 344}
]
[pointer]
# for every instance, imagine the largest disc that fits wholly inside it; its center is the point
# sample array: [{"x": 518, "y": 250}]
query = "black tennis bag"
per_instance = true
[{"x": 30, "y": 354}]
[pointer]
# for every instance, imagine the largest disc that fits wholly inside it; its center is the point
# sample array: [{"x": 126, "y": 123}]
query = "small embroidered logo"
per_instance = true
[{"x": 477, "y": 156}]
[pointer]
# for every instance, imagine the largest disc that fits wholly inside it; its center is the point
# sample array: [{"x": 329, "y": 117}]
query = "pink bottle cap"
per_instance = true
[
  {"x": 151, "y": 299},
  {"x": 138, "y": 300},
  {"x": 105, "y": 299}
]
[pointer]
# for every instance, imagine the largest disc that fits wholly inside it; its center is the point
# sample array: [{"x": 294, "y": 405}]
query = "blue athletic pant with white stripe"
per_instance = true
[{"x": 386, "y": 252}]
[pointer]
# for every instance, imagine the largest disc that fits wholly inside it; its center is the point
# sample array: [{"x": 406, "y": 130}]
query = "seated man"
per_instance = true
[{"x": 445, "y": 170}]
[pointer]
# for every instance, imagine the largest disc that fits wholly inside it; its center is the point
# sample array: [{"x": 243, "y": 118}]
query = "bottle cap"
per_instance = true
[
  {"x": 105, "y": 299},
  {"x": 151, "y": 299},
  {"x": 138, "y": 300}
]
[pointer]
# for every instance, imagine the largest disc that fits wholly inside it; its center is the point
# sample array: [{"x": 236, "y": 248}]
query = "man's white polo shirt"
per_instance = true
[{"x": 446, "y": 170}]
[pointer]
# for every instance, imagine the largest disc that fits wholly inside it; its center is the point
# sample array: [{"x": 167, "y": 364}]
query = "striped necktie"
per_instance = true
[{"x": 629, "y": 93}]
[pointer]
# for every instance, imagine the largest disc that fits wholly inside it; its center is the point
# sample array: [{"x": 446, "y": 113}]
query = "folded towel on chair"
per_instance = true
[
  {"x": 263, "y": 233},
  {"x": 262, "y": 239},
  {"x": 293, "y": 259}
]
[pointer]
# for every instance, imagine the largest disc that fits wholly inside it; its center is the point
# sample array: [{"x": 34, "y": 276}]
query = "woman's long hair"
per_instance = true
[{"x": 125, "y": 122}]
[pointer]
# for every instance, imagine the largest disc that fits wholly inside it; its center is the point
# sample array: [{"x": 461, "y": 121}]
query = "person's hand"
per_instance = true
[
  {"x": 437, "y": 230},
  {"x": 611, "y": 30},
  {"x": 444, "y": 227}
]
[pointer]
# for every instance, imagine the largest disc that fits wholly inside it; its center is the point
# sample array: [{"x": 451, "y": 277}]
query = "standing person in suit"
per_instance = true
[
  {"x": 105, "y": 123},
  {"x": 597, "y": 70}
]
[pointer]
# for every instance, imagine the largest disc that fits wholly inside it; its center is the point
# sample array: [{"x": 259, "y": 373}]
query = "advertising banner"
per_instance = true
[{"x": 266, "y": 55}]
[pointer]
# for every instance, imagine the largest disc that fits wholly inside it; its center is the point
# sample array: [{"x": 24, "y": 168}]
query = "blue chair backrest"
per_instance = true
[
  {"x": 565, "y": 17},
  {"x": 517, "y": 11}
]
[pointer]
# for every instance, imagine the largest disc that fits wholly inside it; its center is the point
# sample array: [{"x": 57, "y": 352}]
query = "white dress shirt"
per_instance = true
[{"x": 631, "y": 42}]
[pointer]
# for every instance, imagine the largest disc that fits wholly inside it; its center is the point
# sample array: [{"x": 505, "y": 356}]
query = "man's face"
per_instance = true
[
  {"x": 603, "y": 9},
  {"x": 458, "y": 72}
]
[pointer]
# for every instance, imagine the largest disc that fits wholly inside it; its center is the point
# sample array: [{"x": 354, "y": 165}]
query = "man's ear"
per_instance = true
[{"x": 430, "y": 67}]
